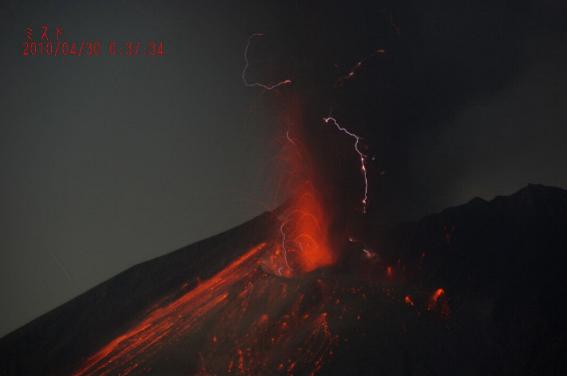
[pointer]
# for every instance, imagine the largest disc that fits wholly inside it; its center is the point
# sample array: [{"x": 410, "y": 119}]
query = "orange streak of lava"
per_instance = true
[
  {"x": 173, "y": 319},
  {"x": 437, "y": 294}
]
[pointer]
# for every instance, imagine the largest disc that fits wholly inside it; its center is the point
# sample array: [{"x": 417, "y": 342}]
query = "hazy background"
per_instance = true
[{"x": 109, "y": 161}]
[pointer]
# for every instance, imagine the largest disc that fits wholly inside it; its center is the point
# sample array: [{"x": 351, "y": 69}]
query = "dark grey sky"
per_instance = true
[
  {"x": 106, "y": 162},
  {"x": 505, "y": 139}
]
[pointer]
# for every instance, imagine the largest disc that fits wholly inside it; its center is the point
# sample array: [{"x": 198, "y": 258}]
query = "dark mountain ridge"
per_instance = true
[
  {"x": 502, "y": 264},
  {"x": 499, "y": 265}
]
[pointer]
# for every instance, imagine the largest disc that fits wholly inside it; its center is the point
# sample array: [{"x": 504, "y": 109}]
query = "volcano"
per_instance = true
[{"x": 473, "y": 290}]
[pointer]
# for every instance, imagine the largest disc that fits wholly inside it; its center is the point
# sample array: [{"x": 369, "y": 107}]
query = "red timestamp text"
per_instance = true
[
  {"x": 53, "y": 43},
  {"x": 62, "y": 48},
  {"x": 92, "y": 48}
]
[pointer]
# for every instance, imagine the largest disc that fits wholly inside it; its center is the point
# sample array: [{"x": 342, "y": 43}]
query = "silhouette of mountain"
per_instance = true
[
  {"x": 476, "y": 289},
  {"x": 55, "y": 342}
]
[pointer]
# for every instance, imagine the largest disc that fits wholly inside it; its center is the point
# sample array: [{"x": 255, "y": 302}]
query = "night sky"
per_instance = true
[{"x": 109, "y": 161}]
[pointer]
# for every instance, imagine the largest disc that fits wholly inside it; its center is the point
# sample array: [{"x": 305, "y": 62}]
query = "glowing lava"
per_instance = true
[
  {"x": 175, "y": 319},
  {"x": 242, "y": 321},
  {"x": 437, "y": 302},
  {"x": 305, "y": 237},
  {"x": 305, "y": 223},
  {"x": 437, "y": 295}
]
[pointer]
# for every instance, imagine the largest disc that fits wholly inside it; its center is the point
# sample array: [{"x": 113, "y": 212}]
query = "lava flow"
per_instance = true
[
  {"x": 246, "y": 319},
  {"x": 127, "y": 351},
  {"x": 241, "y": 321}
]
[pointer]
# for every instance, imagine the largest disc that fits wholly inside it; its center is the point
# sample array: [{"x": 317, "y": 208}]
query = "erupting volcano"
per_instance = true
[
  {"x": 294, "y": 292},
  {"x": 265, "y": 312},
  {"x": 380, "y": 307}
]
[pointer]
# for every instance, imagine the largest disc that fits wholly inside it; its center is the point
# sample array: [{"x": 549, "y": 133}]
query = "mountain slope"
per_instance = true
[
  {"x": 56, "y": 342},
  {"x": 474, "y": 290}
]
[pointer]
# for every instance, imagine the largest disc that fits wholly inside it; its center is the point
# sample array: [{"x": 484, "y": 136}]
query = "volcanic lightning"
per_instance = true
[
  {"x": 361, "y": 157},
  {"x": 284, "y": 325},
  {"x": 247, "y": 65}
]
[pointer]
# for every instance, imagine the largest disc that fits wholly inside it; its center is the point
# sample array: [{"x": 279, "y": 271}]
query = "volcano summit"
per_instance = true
[{"x": 475, "y": 289}]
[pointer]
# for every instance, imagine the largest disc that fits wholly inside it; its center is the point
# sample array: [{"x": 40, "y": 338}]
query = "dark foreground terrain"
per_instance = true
[{"x": 474, "y": 290}]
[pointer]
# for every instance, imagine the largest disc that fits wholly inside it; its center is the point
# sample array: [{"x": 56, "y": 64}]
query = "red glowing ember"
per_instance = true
[
  {"x": 437, "y": 294},
  {"x": 438, "y": 303}
]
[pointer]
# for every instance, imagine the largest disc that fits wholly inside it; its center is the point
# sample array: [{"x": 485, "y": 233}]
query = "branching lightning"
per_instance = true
[
  {"x": 361, "y": 156},
  {"x": 247, "y": 64}
]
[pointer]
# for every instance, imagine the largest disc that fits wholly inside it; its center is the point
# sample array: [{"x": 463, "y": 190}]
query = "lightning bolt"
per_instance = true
[
  {"x": 361, "y": 156},
  {"x": 247, "y": 65},
  {"x": 284, "y": 249}
]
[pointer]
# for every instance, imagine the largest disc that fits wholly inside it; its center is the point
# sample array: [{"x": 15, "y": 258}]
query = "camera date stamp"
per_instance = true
[{"x": 51, "y": 41}]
